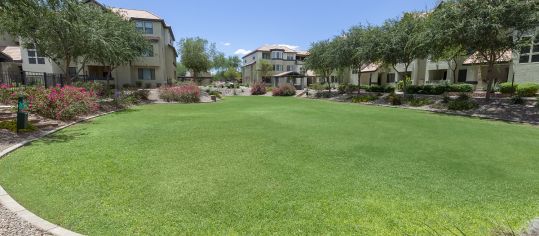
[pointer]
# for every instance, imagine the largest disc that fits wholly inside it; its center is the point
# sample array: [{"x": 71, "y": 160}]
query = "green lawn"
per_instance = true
[{"x": 264, "y": 165}]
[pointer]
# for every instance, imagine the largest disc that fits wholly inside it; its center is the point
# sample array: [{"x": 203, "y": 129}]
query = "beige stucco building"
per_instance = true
[
  {"x": 156, "y": 67},
  {"x": 287, "y": 66}
]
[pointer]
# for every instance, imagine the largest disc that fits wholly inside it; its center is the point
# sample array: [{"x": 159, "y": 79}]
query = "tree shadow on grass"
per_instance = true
[{"x": 62, "y": 137}]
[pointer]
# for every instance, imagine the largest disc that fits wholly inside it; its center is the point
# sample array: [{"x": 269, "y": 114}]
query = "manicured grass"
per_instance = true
[{"x": 262, "y": 165}]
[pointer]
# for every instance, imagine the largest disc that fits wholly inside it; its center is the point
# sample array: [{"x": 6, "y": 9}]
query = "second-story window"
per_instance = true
[
  {"x": 34, "y": 57},
  {"x": 289, "y": 68},
  {"x": 530, "y": 53},
  {"x": 266, "y": 56},
  {"x": 276, "y": 55},
  {"x": 145, "y": 27},
  {"x": 277, "y": 68},
  {"x": 290, "y": 57}
]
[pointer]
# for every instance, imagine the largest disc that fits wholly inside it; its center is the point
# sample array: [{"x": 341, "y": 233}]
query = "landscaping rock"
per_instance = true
[
  {"x": 12, "y": 225},
  {"x": 534, "y": 228}
]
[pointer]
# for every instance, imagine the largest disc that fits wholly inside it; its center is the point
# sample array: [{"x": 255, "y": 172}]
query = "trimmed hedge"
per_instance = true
[
  {"x": 380, "y": 89},
  {"x": 439, "y": 89},
  {"x": 527, "y": 90},
  {"x": 507, "y": 88},
  {"x": 522, "y": 90}
]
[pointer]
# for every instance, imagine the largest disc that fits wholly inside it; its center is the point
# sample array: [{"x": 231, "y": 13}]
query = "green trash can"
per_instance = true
[
  {"x": 22, "y": 116},
  {"x": 22, "y": 120}
]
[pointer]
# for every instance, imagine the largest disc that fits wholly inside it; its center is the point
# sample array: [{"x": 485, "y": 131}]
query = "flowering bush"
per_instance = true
[
  {"x": 96, "y": 87},
  {"x": 258, "y": 88},
  {"x": 7, "y": 94},
  {"x": 187, "y": 93},
  {"x": 284, "y": 90},
  {"x": 62, "y": 103}
]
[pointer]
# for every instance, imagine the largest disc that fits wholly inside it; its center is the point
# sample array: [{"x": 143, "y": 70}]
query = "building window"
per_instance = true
[
  {"x": 266, "y": 56},
  {"x": 391, "y": 78},
  {"x": 276, "y": 55},
  {"x": 146, "y": 74},
  {"x": 289, "y": 68},
  {"x": 277, "y": 68},
  {"x": 34, "y": 57},
  {"x": 463, "y": 74},
  {"x": 290, "y": 57},
  {"x": 145, "y": 27},
  {"x": 530, "y": 53},
  {"x": 148, "y": 52}
]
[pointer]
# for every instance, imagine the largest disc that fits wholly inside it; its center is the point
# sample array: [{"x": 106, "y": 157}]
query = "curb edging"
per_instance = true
[{"x": 13, "y": 206}]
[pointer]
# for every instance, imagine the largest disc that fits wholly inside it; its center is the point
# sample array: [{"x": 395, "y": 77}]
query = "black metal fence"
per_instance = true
[{"x": 47, "y": 80}]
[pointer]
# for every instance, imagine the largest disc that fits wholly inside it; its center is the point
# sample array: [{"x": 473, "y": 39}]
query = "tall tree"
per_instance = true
[
  {"x": 321, "y": 60},
  {"x": 196, "y": 54},
  {"x": 116, "y": 42},
  {"x": 265, "y": 69},
  {"x": 401, "y": 42},
  {"x": 490, "y": 28},
  {"x": 364, "y": 46},
  {"x": 181, "y": 70},
  {"x": 61, "y": 30}
]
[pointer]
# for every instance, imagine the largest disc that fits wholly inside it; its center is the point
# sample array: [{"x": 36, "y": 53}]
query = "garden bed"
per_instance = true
[{"x": 499, "y": 108}]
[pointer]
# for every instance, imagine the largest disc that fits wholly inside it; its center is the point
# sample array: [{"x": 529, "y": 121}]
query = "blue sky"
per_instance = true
[{"x": 236, "y": 25}]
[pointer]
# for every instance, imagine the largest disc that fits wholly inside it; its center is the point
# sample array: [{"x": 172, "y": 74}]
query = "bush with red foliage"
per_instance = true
[
  {"x": 65, "y": 103},
  {"x": 258, "y": 88},
  {"x": 186, "y": 93},
  {"x": 284, "y": 90}
]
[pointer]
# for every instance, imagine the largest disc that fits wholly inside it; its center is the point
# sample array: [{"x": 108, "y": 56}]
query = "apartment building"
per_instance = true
[
  {"x": 520, "y": 67},
  {"x": 154, "y": 68},
  {"x": 10, "y": 55},
  {"x": 287, "y": 66}
]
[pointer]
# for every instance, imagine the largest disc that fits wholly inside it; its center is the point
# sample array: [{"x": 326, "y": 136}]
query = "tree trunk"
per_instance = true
[
  {"x": 359, "y": 82},
  {"x": 328, "y": 80},
  {"x": 489, "y": 79},
  {"x": 66, "y": 70}
]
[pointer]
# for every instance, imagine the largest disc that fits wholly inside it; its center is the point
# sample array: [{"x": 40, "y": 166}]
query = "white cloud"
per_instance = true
[
  {"x": 293, "y": 47},
  {"x": 242, "y": 51},
  {"x": 227, "y": 44}
]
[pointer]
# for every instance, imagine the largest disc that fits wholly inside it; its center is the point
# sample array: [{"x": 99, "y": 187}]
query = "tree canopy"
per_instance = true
[
  {"x": 67, "y": 31},
  {"x": 197, "y": 54},
  {"x": 488, "y": 28}
]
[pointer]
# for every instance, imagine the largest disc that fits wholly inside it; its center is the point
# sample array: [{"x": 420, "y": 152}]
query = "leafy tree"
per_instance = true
[
  {"x": 232, "y": 74},
  {"x": 196, "y": 54},
  {"x": 401, "y": 41},
  {"x": 363, "y": 47},
  {"x": 265, "y": 69},
  {"x": 181, "y": 70},
  {"x": 116, "y": 41},
  {"x": 490, "y": 28},
  {"x": 61, "y": 30},
  {"x": 321, "y": 60}
]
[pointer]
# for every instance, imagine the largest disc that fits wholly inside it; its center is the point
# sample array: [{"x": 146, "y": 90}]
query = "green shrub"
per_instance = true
[
  {"x": 446, "y": 99},
  {"x": 368, "y": 98},
  {"x": 517, "y": 100},
  {"x": 142, "y": 94},
  {"x": 317, "y": 87},
  {"x": 462, "y": 103},
  {"x": 394, "y": 99},
  {"x": 284, "y": 90},
  {"x": 507, "y": 88},
  {"x": 419, "y": 102},
  {"x": 216, "y": 94},
  {"x": 138, "y": 84},
  {"x": 527, "y": 90},
  {"x": 323, "y": 94},
  {"x": 460, "y": 88},
  {"x": 380, "y": 89},
  {"x": 347, "y": 88},
  {"x": 12, "y": 126}
]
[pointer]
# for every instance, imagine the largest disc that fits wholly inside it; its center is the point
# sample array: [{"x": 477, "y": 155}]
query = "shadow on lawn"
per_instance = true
[{"x": 62, "y": 137}]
